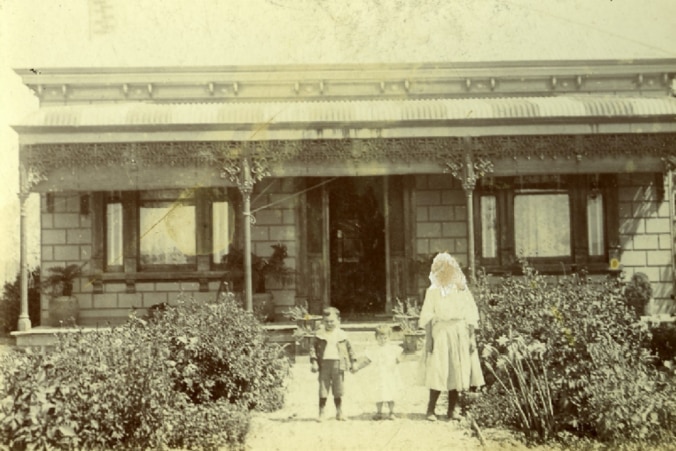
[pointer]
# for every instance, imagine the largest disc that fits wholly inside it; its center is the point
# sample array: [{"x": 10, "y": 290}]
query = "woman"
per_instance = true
[{"x": 449, "y": 315}]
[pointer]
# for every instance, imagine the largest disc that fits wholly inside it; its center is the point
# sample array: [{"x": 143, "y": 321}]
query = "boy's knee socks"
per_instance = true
[
  {"x": 322, "y": 403},
  {"x": 338, "y": 402}
]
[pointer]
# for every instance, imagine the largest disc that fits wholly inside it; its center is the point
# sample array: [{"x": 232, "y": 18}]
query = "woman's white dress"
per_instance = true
[
  {"x": 384, "y": 368},
  {"x": 450, "y": 365}
]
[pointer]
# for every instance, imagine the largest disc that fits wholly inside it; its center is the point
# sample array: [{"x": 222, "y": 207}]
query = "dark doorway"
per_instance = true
[{"x": 357, "y": 244}]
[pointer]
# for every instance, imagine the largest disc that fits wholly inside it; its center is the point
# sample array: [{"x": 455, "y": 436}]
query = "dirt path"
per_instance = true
[{"x": 295, "y": 426}]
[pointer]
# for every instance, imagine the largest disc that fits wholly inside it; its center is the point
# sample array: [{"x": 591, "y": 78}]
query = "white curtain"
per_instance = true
[
  {"x": 167, "y": 233},
  {"x": 542, "y": 225},
  {"x": 595, "y": 231},
  {"x": 114, "y": 249},
  {"x": 489, "y": 238},
  {"x": 221, "y": 230}
]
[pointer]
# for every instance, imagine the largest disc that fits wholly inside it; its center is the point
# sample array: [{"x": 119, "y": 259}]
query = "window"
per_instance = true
[
  {"x": 223, "y": 227},
  {"x": 114, "y": 249},
  {"x": 541, "y": 224},
  {"x": 489, "y": 225},
  {"x": 160, "y": 230},
  {"x": 556, "y": 222},
  {"x": 167, "y": 228}
]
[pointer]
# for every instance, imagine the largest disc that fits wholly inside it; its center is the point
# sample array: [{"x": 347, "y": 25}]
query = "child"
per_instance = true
[
  {"x": 331, "y": 355},
  {"x": 384, "y": 358}
]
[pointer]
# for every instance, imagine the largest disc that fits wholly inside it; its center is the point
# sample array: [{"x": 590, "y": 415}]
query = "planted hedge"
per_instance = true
[
  {"x": 569, "y": 357},
  {"x": 185, "y": 379}
]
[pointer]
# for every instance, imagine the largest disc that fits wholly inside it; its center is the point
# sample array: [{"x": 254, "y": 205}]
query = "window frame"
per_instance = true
[
  {"x": 131, "y": 270},
  {"x": 578, "y": 187}
]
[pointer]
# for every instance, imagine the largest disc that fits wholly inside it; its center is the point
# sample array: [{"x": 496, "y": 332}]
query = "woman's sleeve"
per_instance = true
[
  {"x": 427, "y": 310},
  {"x": 471, "y": 310}
]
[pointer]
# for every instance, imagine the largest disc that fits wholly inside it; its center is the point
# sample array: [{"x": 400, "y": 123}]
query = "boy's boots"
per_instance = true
[
  {"x": 322, "y": 407},
  {"x": 339, "y": 409}
]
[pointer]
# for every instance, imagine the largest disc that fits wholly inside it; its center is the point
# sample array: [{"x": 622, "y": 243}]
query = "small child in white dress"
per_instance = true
[{"x": 384, "y": 359}]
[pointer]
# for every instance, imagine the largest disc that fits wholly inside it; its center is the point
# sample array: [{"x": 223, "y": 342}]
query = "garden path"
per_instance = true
[{"x": 294, "y": 427}]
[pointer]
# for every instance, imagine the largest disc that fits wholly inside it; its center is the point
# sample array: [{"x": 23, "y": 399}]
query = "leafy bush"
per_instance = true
[
  {"x": 663, "y": 342},
  {"x": 10, "y": 303},
  {"x": 519, "y": 369},
  {"x": 186, "y": 379},
  {"x": 101, "y": 389},
  {"x": 638, "y": 292},
  {"x": 206, "y": 427},
  {"x": 492, "y": 408},
  {"x": 218, "y": 351},
  {"x": 628, "y": 400},
  {"x": 571, "y": 317}
]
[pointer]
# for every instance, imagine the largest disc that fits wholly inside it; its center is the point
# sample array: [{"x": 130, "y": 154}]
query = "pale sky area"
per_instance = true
[{"x": 41, "y": 34}]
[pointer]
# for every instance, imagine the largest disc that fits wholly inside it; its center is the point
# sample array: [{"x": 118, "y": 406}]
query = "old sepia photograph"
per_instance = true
[{"x": 338, "y": 225}]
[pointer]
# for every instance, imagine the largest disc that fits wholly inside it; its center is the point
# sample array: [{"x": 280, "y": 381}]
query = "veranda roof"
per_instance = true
[
  {"x": 365, "y": 118},
  {"x": 350, "y": 112}
]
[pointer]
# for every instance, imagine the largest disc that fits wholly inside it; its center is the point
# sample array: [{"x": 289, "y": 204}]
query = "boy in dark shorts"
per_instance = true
[{"x": 331, "y": 355}]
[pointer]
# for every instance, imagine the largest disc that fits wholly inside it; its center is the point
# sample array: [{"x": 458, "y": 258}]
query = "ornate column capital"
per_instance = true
[
  {"x": 669, "y": 163},
  {"x": 246, "y": 166},
  {"x": 468, "y": 169},
  {"x": 29, "y": 176}
]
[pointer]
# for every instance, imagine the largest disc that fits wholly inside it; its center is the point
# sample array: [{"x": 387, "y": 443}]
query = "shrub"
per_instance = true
[
  {"x": 218, "y": 351},
  {"x": 663, "y": 342},
  {"x": 492, "y": 408},
  {"x": 519, "y": 369},
  {"x": 185, "y": 379},
  {"x": 101, "y": 389},
  {"x": 627, "y": 399},
  {"x": 206, "y": 427},
  {"x": 10, "y": 303},
  {"x": 638, "y": 292},
  {"x": 568, "y": 316}
]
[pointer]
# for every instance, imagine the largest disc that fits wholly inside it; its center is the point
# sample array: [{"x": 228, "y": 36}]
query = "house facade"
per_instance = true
[{"x": 149, "y": 177}]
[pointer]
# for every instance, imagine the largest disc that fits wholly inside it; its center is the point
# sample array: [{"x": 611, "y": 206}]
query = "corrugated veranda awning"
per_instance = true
[{"x": 133, "y": 114}]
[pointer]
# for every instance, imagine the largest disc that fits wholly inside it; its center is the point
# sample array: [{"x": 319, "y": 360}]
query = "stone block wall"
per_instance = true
[
  {"x": 66, "y": 238},
  {"x": 440, "y": 216},
  {"x": 274, "y": 207},
  {"x": 645, "y": 234}
]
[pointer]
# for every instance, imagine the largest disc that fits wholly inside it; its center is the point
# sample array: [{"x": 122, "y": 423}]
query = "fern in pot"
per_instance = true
[{"x": 63, "y": 308}]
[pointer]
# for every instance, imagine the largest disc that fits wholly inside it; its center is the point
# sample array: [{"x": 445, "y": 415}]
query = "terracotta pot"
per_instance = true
[
  {"x": 413, "y": 342},
  {"x": 263, "y": 306},
  {"x": 303, "y": 344},
  {"x": 63, "y": 311}
]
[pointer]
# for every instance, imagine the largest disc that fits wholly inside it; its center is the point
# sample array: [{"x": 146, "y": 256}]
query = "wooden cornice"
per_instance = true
[{"x": 349, "y": 82}]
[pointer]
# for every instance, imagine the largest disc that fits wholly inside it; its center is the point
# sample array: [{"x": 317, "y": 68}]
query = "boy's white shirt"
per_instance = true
[{"x": 332, "y": 338}]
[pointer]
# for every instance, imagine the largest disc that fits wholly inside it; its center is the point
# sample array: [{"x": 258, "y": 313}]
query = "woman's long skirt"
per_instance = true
[{"x": 450, "y": 365}]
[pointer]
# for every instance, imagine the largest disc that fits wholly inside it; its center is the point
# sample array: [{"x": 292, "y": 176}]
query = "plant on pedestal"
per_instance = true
[
  {"x": 63, "y": 306},
  {"x": 406, "y": 314},
  {"x": 262, "y": 269}
]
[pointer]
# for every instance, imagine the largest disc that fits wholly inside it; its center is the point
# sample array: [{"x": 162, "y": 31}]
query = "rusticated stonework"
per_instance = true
[{"x": 263, "y": 156}]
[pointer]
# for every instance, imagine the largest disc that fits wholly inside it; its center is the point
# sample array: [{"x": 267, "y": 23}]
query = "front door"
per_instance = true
[{"x": 357, "y": 244}]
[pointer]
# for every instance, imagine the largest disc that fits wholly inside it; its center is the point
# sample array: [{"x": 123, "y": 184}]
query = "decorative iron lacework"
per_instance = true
[{"x": 263, "y": 156}]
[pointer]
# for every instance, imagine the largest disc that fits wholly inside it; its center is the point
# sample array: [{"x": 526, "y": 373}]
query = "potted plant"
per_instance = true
[
  {"x": 300, "y": 315},
  {"x": 63, "y": 306},
  {"x": 407, "y": 314},
  {"x": 262, "y": 270},
  {"x": 638, "y": 292},
  {"x": 307, "y": 324}
]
